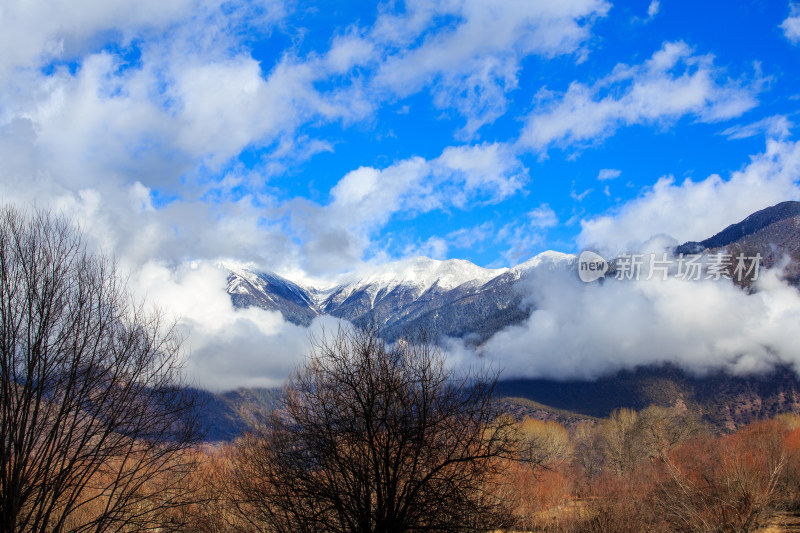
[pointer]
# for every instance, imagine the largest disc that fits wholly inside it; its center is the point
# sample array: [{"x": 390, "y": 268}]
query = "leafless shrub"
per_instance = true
[{"x": 376, "y": 438}]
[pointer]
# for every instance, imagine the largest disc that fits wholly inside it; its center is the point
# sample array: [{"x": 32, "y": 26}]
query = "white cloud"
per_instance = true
[
  {"x": 486, "y": 173},
  {"x": 474, "y": 61},
  {"x": 170, "y": 122},
  {"x": 336, "y": 235},
  {"x": 36, "y": 32},
  {"x": 776, "y": 127},
  {"x": 674, "y": 82},
  {"x": 470, "y": 237},
  {"x": 791, "y": 25},
  {"x": 102, "y": 138},
  {"x": 225, "y": 347},
  {"x": 608, "y": 174},
  {"x": 543, "y": 217},
  {"x": 652, "y": 9},
  {"x": 579, "y": 330},
  {"x": 579, "y": 196},
  {"x": 125, "y": 221},
  {"x": 523, "y": 242},
  {"x": 524, "y": 238},
  {"x": 433, "y": 247},
  {"x": 209, "y": 112},
  {"x": 696, "y": 210}
]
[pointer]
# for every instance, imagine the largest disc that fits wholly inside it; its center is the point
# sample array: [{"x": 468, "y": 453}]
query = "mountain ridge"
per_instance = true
[
  {"x": 402, "y": 295},
  {"x": 748, "y": 226},
  {"x": 457, "y": 298}
]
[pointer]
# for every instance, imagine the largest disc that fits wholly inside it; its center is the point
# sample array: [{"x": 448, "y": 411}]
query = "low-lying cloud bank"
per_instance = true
[
  {"x": 585, "y": 330},
  {"x": 225, "y": 347},
  {"x": 576, "y": 330}
]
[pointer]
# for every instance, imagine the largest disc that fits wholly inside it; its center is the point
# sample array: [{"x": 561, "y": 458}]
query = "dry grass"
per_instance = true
[{"x": 786, "y": 522}]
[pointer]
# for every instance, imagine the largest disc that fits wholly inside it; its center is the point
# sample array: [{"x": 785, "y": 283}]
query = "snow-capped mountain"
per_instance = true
[
  {"x": 453, "y": 297},
  {"x": 417, "y": 276},
  {"x": 270, "y": 291}
]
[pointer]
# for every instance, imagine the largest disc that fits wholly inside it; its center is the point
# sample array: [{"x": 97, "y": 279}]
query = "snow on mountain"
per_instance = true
[
  {"x": 550, "y": 259},
  {"x": 453, "y": 297},
  {"x": 419, "y": 275},
  {"x": 266, "y": 290}
]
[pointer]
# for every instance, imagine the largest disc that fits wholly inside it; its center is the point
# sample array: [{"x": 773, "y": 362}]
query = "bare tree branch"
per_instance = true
[{"x": 93, "y": 420}]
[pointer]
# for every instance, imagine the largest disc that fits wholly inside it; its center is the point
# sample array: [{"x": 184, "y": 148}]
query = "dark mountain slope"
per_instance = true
[
  {"x": 750, "y": 225},
  {"x": 724, "y": 400}
]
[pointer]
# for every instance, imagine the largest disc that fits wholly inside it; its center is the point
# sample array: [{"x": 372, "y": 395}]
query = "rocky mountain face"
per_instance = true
[
  {"x": 272, "y": 292},
  {"x": 454, "y": 298}
]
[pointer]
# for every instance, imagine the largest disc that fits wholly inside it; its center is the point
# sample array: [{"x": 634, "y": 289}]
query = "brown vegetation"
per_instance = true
[{"x": 654, "y": 470}]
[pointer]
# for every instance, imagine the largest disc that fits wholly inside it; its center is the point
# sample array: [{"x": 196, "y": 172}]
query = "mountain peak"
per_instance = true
[
  {"x": 417, "y": 274},
  {"x": 546, "y": 257}
]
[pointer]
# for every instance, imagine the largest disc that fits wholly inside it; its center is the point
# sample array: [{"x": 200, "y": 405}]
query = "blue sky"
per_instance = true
[
  {"x": 317, "y": 139},
  {"x": 311, "y": 139}
]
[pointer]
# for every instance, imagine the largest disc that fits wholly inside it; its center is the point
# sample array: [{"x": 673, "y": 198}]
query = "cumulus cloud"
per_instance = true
[
  {"x": 54, "y": 29},
  {"x": 695, "y": 210},
  {"x": 674, "y": 82},
  {"x": 137, "y": 139},
  {"x": 158, "y": 119},
  {"x": 123, "y": 221},
  {"x": 128, "y": 121},
  {"x": 337, "y": 234},
  {"x": 791, "y": 25}
]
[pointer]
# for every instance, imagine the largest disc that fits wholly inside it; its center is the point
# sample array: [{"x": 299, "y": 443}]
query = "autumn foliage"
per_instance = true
[{"x": 654, "y": 470}]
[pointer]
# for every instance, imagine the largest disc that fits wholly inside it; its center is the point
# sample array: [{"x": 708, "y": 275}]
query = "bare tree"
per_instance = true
[
  {"x": 543, "y": 444},
  {"x": 93, "y": 421},
  {"x": 376, "y": 438},
  {"x": 618, "y": 433},
  {"x": 659, "y": 430},
  {"x": 588, "y": 452}
]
